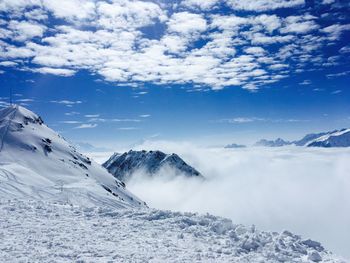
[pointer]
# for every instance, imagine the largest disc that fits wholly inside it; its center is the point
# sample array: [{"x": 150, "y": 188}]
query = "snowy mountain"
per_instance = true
[
  {"x": 276, "y": 143},
  {"x": 37, "y": 163},
  {"x": 340, "y": 138},
  {"x": 122, "y": 166},
  {"x": 308, "y": 138},
  {"x": 336, "y": 138},
  {"x": 234, "y": 145}
]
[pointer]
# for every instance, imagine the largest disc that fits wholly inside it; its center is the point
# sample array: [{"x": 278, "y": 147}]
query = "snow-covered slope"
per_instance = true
[
  {"x": 37, "y": 163},
  {"x": 339, "y": 138},
  {"x": 122, "y": 166},
  {"x": 35, "y": 231},
  {"x": 276, "y": 143},
  {"x": 308, "y": 138}
]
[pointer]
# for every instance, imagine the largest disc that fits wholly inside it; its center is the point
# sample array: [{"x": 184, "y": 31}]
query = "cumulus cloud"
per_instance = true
[
  {"x": 194, "y": 42},
  {"x": 55, "y": 71},
  {"x": 264, "y": 5}
]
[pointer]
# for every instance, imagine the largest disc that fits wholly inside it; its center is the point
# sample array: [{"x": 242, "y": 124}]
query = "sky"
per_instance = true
[{"x": 213, "y": 72}]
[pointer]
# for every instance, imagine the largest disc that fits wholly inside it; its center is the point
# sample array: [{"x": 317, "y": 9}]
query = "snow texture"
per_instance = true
[
  {"x": 36, "y": 162},
  {"x": 122, "y": 166},
  {"x": 37, "y": 231}
]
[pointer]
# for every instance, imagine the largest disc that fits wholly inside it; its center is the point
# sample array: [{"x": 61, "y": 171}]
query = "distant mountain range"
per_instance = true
[
  {"x": 336, "y": 138},
  {"x": 122, "y": 166},
  {"x": 272, "y": 143}
]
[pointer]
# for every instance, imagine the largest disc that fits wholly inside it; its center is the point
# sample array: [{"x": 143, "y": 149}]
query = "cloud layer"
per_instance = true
[
  {"x": 190, "y": 41},
  {"x": 275, "y": 189}
]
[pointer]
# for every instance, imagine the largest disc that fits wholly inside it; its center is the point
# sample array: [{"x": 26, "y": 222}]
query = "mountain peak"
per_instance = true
[
  {"x": 20, "y": 114},
  {"x": 122, "y": 166}
]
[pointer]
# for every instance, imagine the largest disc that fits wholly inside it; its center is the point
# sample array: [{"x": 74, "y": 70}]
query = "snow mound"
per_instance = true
[
  {"x": 122, "y": 166},
  {"x": 38, "y": 163},
  {"x": 43, "y": 232}
]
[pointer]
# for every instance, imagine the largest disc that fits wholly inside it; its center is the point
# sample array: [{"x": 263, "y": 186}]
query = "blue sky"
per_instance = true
[{"x": 213, "y": 72}]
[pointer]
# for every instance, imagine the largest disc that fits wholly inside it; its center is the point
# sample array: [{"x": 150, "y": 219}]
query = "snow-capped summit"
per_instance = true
[
  {"x": 123, "y": 165},
  {"x": 37, "y": 163},
  {"x": 337, "y": 138}
]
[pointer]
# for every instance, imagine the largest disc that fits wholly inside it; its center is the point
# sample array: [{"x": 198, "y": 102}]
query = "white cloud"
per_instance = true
[
  {"x": 86, "y": 126},
  {"x": 263, "y": 5},
  {"x": 299, "y": 24},
  {"x": 257, "y": 51},
  {"x": 92, "y": 115},
  {"x": 71, "y": 9},
  {"x": 8, "y": 63},
  {"x": 128, "y": 14},
  {"x": 110, "y": 39},
  {"x": 22, "y": 30},
  {"x": 55, "y": 71},
  {"x": 144, "y": 115},
  {"x": 71, "y": 122},
  {"x": 336, "y": 92},
  {"x": 241, "y": 120},
  {"x": 340, "y": 74},
  {"x": 67, "y": 102},
  {"x": 200, "y": 4},
  {"x": 186, "y": 23},
  {"x": 344, "y": 50},
  {"x": 72, "y": 113},
  {"x": 128, "y": 128},
  {"x": 335, "y": 31}
]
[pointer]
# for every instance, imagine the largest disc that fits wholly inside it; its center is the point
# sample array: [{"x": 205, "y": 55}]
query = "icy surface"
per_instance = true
[
  {"x": 38, "y": 163},
  {"x": 122, "y": 166},
  {"x": 38, "y": 231}
]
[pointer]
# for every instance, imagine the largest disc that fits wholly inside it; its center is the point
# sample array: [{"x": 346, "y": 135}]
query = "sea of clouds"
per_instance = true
[{"x": 304, "y": 190}]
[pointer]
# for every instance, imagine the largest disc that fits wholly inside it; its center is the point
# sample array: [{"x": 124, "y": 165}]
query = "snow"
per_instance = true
[
  {"x": 339, "y": 138},
  {"x": 50, "y": 232},
  {"x": 36, "y": 162}
]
